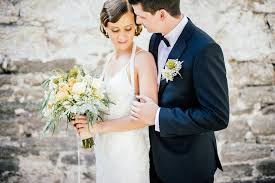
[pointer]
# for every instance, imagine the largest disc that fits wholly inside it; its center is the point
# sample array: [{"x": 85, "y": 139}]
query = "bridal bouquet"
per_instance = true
[{"x": 67, "y": 95}]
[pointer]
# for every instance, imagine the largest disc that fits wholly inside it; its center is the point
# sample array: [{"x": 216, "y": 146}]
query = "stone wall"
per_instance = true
[{"x": 38, "y": 35}]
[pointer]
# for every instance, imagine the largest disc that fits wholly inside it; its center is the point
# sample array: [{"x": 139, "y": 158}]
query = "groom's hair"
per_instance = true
[
  {"x": 152, "y": 6},
  {"x": 112, "y": 11}
]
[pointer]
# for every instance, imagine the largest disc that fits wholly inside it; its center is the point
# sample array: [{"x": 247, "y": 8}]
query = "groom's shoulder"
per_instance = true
[
  {"x": 201, "y": 40},
  {"x": 202, "y": 37}
]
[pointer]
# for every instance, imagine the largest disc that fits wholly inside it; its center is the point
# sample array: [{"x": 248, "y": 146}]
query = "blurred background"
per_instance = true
[{"x": 37, "y": 36}]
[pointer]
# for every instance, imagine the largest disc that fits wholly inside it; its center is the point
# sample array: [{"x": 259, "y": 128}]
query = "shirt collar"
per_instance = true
[{"x": 174, "y": 34}]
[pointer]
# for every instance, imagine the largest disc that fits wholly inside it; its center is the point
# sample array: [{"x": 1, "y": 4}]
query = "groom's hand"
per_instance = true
[{"x": 145, "y": 110}]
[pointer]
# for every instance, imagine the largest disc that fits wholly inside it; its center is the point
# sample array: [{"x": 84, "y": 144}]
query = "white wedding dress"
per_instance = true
[{"x": 122, "y": 157}]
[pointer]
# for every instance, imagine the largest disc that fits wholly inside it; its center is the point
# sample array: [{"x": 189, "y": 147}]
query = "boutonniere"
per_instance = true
[{"x": 171, "y": 69}]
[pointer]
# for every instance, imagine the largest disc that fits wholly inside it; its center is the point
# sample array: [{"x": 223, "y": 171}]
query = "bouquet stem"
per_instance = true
[
  {"x": 78, "y": 159},
  {"x": 88, "y": 143}
]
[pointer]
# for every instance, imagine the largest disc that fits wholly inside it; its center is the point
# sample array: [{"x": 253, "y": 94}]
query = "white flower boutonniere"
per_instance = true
[{"x": 171, "y": 69}]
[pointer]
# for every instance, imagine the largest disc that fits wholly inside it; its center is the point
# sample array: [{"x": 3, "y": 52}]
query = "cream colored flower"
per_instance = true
[
  {"x": 96, "y": 83},
  {"x": 71, "y": 82},
  {"x": 172, "y": 68},
  {"x": 79, "y": 88},
  {"x": 63, "y": 87},
  {"x": 61, "y": 95},
  {"x": 97, "y": 93}
]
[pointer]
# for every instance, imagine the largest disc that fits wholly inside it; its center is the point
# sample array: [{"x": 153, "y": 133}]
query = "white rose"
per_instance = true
[
  {"x": 79, "y": 88},
  {"x": 96, "y": 83},
  {"x": 61, "y": 95},
  {"x": 100, "y": 94}
]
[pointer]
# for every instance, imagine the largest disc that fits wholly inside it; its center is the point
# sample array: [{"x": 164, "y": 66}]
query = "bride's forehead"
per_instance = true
[{"x": 125, "y": 20}]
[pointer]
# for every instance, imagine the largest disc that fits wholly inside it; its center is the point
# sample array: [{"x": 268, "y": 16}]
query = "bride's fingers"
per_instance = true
[
  {"x": 135, "y": 109},
  {"x": 81, "y": 117},
  {"x": 79, "y": 122},
  {"x": 134, "y": 114},
  {"x": 133, "y": 118},
  {"x": 144, "y": 99},
  {"x": 136, "y": 104},
  {"x": 79, "y": 125},
  {"x": 81, "y": 128}
]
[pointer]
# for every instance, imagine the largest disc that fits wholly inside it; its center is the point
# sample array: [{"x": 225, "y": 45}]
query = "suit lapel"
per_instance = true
[
  {"x": 155, "y": 47},
  {"x": 178, "y": 49}
]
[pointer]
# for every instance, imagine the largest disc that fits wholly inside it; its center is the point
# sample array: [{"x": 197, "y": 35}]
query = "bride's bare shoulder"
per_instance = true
[{"x": 144, "y": 57}]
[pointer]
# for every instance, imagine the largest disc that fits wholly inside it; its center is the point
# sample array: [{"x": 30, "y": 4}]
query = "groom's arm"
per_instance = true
[{"x": 211, "y": 90}]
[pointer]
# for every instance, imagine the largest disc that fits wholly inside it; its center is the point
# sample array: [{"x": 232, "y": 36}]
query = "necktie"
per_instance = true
[{"x": 165, "y": 41}]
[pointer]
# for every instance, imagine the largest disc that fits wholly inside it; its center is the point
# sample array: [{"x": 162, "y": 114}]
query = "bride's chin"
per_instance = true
[{"x": 125, "y": 47}]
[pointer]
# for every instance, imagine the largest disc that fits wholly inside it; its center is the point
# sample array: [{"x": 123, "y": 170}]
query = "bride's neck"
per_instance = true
[{"x": 122, "y": 53}]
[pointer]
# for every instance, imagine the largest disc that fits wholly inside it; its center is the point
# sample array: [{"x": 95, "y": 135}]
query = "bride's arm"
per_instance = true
[
  {"x": 146, "y": 71},
  {"x": 146, "y": 82}
]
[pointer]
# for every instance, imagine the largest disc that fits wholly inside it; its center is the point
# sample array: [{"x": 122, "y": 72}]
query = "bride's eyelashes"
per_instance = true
[
  {"x": 127, "y": 29},
  {"x": 115, "y": 30}
]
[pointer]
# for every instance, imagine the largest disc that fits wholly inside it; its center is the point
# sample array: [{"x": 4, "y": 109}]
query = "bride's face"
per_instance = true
[{"x": 122, "y": 32}]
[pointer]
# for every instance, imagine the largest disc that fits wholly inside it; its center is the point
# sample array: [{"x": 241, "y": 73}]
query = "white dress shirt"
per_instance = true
[{"x": 163, "y": 53}]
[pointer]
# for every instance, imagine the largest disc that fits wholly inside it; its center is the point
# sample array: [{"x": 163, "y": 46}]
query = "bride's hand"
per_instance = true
[
  {"x": 81, "y": 119},
  {"x": 85, "y": 130},
  {"x": 79, "y": 124}
]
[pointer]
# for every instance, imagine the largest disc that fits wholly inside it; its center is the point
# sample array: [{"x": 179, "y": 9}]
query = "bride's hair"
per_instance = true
[{"x": 112, "y": 11}]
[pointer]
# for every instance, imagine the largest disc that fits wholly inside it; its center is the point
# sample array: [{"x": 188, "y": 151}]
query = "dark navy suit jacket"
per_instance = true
[{"x": 192, "y": 108}]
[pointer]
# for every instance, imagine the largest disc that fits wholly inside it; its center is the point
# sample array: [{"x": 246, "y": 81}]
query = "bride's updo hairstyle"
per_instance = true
[{"x": 112, "y": 11}]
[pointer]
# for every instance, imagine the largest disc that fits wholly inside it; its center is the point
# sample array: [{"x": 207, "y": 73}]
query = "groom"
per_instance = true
[{"x": 193, "y": 103}]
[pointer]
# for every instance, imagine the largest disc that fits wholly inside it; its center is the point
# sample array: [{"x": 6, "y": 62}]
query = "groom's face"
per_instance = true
[{"x": 149, "y": 21}]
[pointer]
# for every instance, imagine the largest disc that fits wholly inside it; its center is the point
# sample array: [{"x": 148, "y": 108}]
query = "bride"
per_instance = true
[{"x": 122, "y": 143}]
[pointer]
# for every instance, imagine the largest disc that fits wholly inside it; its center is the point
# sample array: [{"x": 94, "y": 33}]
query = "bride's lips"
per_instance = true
[{"x": 124, "y": 42}]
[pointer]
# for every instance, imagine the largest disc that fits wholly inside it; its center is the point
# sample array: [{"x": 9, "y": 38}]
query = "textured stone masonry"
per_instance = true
[{"x": 37, "y": 36}]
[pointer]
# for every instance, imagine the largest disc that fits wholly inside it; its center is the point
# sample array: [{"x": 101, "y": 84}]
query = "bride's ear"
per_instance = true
[
  {"x": 138, "y": 29},
  {"x": 106, "y": 33},
  {"x": 103, "y": 30}
]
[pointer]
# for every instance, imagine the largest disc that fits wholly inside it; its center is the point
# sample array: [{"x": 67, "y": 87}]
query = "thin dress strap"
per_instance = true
[
  {"x": 132, "y": 66},
  {"x": 105, "y": 66}
]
